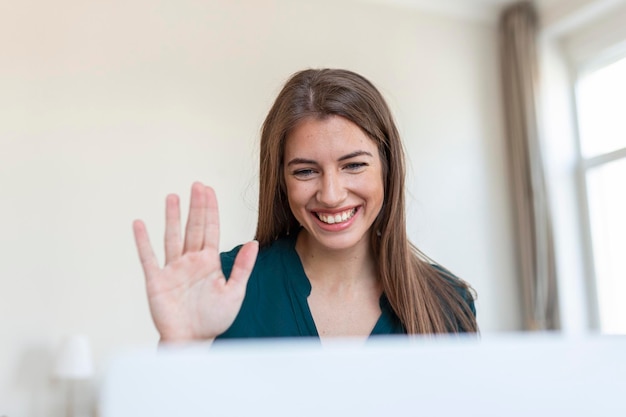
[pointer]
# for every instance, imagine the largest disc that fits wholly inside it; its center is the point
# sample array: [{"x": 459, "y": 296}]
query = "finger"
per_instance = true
[
  {"x": 173, "y": 241},
  {"x": 244, "y": 263},
  {"x": 147, "y": 257},
  {"x": 212, "y": 221},
  {"x": 194, "y": 232}
]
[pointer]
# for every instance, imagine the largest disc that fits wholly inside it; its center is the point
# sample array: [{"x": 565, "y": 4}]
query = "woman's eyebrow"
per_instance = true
[
  {"x": 354, "y": 155},
  {"x": 296, "y": 161}
]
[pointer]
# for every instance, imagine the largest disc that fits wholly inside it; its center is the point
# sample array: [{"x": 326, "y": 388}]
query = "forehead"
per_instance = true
[{"x": 328, "y": 137}]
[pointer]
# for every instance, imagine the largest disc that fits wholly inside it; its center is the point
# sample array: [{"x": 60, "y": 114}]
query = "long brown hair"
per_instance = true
[{"x": 425, "y": 299}]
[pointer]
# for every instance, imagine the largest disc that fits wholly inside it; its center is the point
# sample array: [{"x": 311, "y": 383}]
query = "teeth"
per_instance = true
[{"x": 337, "y": 218}]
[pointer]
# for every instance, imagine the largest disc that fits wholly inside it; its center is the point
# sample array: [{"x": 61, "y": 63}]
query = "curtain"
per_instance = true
[{"x": 518, "y": 29}]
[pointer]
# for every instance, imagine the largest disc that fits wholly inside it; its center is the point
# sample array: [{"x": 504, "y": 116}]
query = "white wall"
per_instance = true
[{"x": 105, "y": 107}]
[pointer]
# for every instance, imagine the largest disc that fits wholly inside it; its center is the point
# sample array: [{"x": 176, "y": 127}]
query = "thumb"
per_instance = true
[{"x": 244, "y": 263}]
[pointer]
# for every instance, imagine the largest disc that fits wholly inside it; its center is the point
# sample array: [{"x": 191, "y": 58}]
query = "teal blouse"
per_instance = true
[{"x": 276, "y": 303}]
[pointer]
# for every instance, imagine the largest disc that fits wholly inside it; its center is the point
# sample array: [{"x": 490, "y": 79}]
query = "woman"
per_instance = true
[{"x": 334, "y": 257}]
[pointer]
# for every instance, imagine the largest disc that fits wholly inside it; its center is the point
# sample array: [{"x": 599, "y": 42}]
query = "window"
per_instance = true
[{"x": 601, "y": 107}]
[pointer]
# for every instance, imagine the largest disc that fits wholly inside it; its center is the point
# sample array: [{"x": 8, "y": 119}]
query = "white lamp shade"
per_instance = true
[{"x": 74, "y": 360}]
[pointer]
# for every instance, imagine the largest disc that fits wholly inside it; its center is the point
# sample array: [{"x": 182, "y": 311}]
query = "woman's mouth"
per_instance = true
[{"x": 340, "y": 217}]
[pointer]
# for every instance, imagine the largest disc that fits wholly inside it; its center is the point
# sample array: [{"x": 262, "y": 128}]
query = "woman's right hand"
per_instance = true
[{"x": 189, "y": 297}]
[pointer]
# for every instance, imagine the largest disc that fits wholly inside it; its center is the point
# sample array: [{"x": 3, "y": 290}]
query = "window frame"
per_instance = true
[{"x": 578, "y": 70}]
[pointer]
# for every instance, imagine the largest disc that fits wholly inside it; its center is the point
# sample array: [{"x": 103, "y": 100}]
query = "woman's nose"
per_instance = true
[{"x": 332, "y": 191}]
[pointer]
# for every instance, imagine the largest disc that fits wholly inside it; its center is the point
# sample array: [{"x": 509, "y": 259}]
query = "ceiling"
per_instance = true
[
  {"x": 473, "y": 9},
  {"x": 490, "y": 9}
]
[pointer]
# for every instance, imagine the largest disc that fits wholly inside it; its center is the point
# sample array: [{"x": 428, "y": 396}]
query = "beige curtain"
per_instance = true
[{"x": 518, "y": 53}]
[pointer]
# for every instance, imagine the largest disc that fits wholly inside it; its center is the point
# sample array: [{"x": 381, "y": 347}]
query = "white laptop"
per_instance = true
[{"x": 506, "y": 376}]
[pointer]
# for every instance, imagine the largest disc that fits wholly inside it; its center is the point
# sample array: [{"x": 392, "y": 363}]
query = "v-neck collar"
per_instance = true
[{"x": 300, "y": 286}]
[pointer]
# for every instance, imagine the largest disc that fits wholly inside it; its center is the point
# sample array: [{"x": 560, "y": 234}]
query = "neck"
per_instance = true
[{"x": 336, "y": 268}]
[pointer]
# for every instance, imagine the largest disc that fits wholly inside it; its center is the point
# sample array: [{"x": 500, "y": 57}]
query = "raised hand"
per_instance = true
[{"x": 189, "y": 297}]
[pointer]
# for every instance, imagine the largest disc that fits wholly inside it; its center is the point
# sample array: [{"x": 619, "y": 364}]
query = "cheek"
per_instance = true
[
  {"x": 378, "y": 193},
  {"x": 373, "y": 186},
  {"x": 298, "y": 194}
]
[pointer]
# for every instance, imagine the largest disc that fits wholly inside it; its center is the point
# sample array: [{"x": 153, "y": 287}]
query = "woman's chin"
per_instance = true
[{"x": 337, "y": 242}]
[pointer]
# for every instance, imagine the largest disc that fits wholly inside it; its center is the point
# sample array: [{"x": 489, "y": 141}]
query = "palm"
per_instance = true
[{"x": 189, "y": 297}]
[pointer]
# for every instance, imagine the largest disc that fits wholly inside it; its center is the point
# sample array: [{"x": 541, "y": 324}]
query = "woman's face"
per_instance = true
[{"x": 333, "y": 175}]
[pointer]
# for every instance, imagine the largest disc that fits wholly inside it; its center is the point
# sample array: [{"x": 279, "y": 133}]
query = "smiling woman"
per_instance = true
[
  {"x": 334, "y": 183},
  {"x": 334, "y": 256}
]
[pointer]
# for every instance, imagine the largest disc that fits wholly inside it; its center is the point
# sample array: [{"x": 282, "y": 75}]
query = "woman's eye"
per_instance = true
[
  {"x": 303, "y": 173},
  {"x": 356, "y": 166}
]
